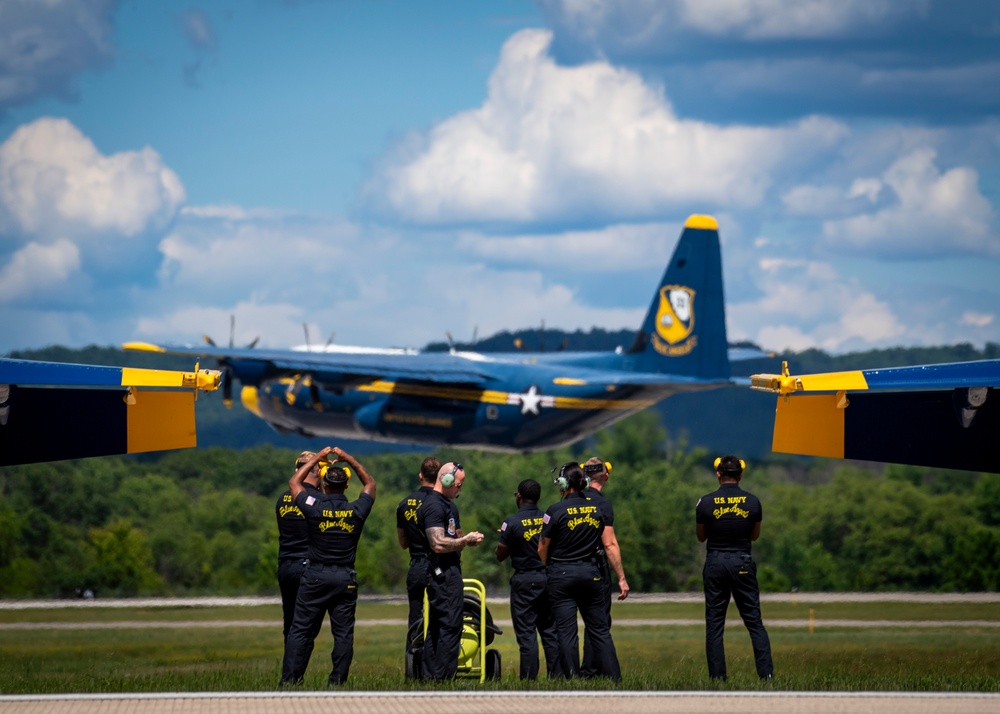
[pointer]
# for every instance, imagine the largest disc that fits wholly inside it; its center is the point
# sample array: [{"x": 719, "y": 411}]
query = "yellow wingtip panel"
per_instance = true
[
  {"x": 161, "y": 420},
  {"x": 811, "y": 425},
  {"x": 703, "y": 222},
  {"x": 833, "y": 381}
]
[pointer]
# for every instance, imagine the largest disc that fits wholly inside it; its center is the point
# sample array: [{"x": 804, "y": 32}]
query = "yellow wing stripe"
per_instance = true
[
  {"x": 489, "y": 396},
  {"x": 833, "y": 382},
  {"x": 207, "y": 379}
]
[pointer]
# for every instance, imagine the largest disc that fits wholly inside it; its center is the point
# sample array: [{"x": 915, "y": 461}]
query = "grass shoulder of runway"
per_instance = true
[{"x": 833, "y": 646}]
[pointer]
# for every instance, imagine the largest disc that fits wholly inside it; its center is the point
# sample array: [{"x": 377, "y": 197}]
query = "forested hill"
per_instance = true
[{"x": 731, "y": 420}]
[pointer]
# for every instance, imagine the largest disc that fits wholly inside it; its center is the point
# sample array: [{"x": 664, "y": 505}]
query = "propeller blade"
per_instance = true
[{"x": 227, "y": 386}]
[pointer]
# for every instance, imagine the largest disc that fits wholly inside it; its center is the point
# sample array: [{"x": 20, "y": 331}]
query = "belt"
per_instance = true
[
  {"x": 727, "y": 553},
  {"x": 330, "y": 565},
  {"x": 294, "y": 557},
  {"x": 531, "y": 570},
  {"x": 574, "y": 562},
  {"x": 419, "y": 556}
]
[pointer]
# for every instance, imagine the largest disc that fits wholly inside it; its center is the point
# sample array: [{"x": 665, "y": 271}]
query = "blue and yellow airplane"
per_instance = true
[
  {"x": 503, "y": 402},
  {"x": 51, "y": 411}
]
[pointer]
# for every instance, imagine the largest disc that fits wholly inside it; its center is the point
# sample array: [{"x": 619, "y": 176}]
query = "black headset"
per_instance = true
[
  {"x": 597, "y": 468},
  {"x": 448, "y": 479}
]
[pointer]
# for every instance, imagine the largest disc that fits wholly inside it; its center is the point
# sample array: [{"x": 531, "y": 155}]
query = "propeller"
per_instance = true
[{"x": 224, "y": 366}]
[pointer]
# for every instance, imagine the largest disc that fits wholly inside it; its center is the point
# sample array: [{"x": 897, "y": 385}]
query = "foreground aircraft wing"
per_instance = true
[
  {"x": 51, "y": 411},
  {"x": 941, "y": 415}
]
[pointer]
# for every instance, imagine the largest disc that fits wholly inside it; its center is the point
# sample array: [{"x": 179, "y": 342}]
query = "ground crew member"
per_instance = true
[
  {"x": 529, "y": 601},
  {"x": 439, "y": 521},
  {"x": 571, "y": 534},
  {"x": 293, "y": 543},
  {"x": 609, "y": 558},
  {"x": 729, "y": 519},
  {"x": 330, "y": 583},
  {"x": 411, "y": 538}
]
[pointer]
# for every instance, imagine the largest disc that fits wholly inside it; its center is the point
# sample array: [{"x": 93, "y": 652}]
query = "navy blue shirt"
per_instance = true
[
  {"x": 574, "y": 525},
  {"x": 604, "y": 505},
  {"x": 438, "y": 512},
  {"x": 406, "y": 518},
  {"x": 293, "y": 533},
  {"x": 729, "y": 516},
  {"x": 520, "y": 534},
  {"x": 334, "y": 525}
]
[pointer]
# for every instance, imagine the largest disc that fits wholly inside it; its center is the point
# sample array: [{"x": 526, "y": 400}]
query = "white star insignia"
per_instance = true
[{"x": 530, "y": 400}]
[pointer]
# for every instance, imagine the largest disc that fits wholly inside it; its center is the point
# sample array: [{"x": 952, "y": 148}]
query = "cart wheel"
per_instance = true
[
  {"x": 413, "y": 665},
  {"x": 493, "y": 664}
]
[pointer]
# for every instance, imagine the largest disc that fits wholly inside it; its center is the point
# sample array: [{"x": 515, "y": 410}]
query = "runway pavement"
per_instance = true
[{"x": 502, "y": 703}]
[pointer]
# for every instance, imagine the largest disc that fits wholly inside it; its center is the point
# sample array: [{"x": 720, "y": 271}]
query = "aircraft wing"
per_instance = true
[
  {"x": 51, "y": 411},
  {"x": 942, "y": 415},
  {"x": 336, "y": 368}
]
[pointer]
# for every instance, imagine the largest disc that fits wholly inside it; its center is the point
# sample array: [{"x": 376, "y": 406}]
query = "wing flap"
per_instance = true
[
  {"x": 940, "y": 429},
  {"x": 52, "y": 424}
]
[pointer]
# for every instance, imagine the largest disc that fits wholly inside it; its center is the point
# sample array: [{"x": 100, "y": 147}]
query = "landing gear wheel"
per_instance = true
[{"x": 493, "y": 665}]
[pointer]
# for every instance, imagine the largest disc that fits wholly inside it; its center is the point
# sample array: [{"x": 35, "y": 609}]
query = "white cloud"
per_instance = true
[
  {"x": 54, "y": 182},
  {"x": 558, "y": 143},
  {"x": 775, "y": 19},
  {"x": 36, "y": 270},
  {"x": 934, "y": 214},
  {"x": 977, "y": 319},
  {"x": 807, "y": 304},
  {"x": 644, "y": 24},
  {"x": 618, "y": 247}
]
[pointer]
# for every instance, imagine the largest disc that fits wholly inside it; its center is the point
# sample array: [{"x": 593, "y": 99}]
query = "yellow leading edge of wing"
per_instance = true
[
  {"x": 833, "y": 382},
  {"x": 161, "y": 420},
  {"x": 206, "y": 379}
]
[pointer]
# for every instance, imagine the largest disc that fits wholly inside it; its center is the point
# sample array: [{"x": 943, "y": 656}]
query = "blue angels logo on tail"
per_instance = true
[{"x": 675, "y": 321}]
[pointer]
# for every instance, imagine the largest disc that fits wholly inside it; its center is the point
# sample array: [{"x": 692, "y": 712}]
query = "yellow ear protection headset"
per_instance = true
[
  {"x": 718, "y": 460},
  {"x": 563, "y": 483},
  {"x": 332, "y": 468},
  {"x": 448, "y": 479}
]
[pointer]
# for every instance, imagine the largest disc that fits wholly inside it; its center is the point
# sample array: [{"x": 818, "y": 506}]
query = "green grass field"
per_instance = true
[{"x": 239, "y": 648}]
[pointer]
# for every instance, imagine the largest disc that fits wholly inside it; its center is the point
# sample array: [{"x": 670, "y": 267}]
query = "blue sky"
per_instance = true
[{"x": 387, "y": 171}]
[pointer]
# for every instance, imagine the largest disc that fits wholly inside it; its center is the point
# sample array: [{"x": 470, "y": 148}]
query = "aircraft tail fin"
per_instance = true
[{"x": 684, "y": 332}]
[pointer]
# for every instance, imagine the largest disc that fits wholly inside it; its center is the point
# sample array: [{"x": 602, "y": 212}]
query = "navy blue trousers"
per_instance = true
[
  {"x": 324, "y": 589},
  {"x": 733, "y": 575}
]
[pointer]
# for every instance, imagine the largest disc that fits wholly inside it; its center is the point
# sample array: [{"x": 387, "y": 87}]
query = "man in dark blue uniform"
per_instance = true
[
  {"x": 412, "y": 538},
  {"x": 330, "y": 583},
  {"x": 529, "y": 602},
  {"x": 609, "y": 557},
  {"x": 571, "y": 535},
  {"x": 438, "y": 520},
  {"x": 729, "y": 519},
  {"x": 293, "y": 543}
]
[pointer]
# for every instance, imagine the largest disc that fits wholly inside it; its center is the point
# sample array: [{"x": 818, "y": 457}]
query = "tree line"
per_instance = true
[{"x": 202, "y": 521}]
